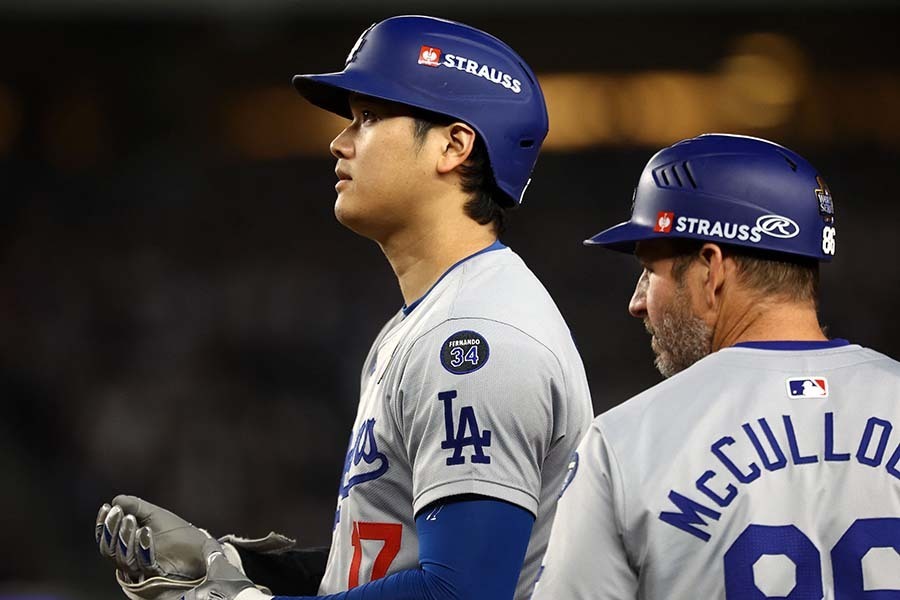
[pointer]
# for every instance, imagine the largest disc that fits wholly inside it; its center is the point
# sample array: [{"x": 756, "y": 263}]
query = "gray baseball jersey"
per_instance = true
[
  {"x": 476, "y": 389},
  {"x": 755, "y": 473}
]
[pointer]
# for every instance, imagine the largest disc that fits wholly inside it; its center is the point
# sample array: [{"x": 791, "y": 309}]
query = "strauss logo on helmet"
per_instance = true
[
  {"x": 430, "y": 56},
  {"x": 664, "y": 222}
]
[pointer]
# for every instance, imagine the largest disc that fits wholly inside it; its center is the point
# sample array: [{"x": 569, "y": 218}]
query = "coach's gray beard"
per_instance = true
[{"x": 680, "y": 339}]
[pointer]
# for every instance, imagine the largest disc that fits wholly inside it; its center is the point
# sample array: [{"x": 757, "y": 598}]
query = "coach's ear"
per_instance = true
[
  {"x": 715, "y": 270},
  {"x": 457, "y": 142}
]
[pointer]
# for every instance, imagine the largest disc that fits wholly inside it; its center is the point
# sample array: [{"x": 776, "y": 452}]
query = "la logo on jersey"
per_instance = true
[
  {"x": 467, "y": 434},
  {"x": 664, "y": 222},
  {"x": 807, "y": 387},
  {"x": 430, "y": 56}
]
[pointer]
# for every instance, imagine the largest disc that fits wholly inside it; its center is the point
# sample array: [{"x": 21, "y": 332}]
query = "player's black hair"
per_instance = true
[{"x": 476, "y": 176}]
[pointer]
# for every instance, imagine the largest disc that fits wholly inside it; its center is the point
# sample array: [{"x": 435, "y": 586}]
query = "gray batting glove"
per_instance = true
[
  {"x": 157, "y": 553},
  {"x": 223, "y": 580}
]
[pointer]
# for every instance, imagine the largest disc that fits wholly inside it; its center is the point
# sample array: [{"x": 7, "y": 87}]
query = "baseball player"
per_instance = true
[
  {"x": 473, "y": 396},
  {"x": 766, "y": 466}
]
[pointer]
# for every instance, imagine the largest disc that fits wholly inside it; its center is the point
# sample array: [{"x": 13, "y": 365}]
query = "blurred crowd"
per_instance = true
[{"x": 189, "y": 326}]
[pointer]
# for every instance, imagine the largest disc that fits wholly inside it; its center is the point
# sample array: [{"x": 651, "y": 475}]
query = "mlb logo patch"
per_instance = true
[
  {"x": 429, "y": 56},
  {"x": 664, "y": 222},
  {"x": 807, "y": 387}
]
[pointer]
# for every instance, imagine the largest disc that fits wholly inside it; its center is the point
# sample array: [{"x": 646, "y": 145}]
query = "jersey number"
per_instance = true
[
  {"x": 846, "y": 560},
  {"x": 389, "y": 533},
  {"x": 460, "y": 356}
]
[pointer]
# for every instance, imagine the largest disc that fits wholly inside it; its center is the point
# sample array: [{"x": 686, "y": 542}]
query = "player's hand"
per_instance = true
[
  {"x": 153, "y": 549},
  {"x": 223, "y": 580}
]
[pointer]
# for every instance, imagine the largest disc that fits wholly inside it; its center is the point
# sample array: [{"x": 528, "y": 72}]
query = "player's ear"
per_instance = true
[
  {"x": 713, "y": 261},
  {"x": 457, "y": 141}
]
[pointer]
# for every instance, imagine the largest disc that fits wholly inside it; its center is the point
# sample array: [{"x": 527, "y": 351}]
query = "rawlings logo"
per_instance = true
[{"x": 777, "y": 226}]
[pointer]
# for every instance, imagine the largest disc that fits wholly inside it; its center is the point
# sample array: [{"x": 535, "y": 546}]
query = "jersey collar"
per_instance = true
[
  {"x": 793, "y": 345},
  {"x": 495, "y": 246}
]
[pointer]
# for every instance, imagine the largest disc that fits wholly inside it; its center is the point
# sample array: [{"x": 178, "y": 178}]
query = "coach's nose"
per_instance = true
[{"x": 637, "y": 307}]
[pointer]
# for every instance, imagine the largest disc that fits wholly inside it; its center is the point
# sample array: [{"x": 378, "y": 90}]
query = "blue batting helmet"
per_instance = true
[
  {"x": 451, "y": 69},
  {"x": 730, "y": 189}
]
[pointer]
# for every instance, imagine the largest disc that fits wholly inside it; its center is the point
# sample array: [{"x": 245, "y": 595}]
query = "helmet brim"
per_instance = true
[
  {"x": 331, "y": 91},
  {"x": 621, "y": 238}
]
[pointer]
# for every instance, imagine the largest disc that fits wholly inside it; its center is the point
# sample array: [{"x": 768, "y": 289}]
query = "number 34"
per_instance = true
[{"x": 846, "y": 560}]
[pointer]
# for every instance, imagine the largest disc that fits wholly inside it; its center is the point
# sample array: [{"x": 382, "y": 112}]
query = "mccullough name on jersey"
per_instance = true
[{"x": 874, "y": 441}]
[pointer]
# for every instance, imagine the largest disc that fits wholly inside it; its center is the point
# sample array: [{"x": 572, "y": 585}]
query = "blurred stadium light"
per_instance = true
[
  {"x": 762, "y": 87},
  {"x": 757, "y": 88}
]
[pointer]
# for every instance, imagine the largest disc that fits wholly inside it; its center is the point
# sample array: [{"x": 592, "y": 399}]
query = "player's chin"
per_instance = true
[
  {"x": 349, "y": 214},
  {"x": 343, "y": 209}
]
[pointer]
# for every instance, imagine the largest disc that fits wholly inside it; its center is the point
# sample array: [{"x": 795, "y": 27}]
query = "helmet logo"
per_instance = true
[
  {"x": 826, "y": 202},
  {"x": 472, "y": 67},
  {"x": 429, "y": 56},
  {"x": 777, "y": 226},
  {"x": 432, "y": 57},
  {"x": 354, "y": 51},
  {"x": 524, "y": 189},
  {"x": 664, "y": 222}
]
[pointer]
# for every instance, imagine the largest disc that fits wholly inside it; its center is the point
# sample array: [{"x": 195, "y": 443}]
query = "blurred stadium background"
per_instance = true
[{"x": 183, "y": 319}]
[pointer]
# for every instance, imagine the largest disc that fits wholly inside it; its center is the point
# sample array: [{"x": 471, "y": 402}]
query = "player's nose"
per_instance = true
[
  {"x": 637, "y": 306},
  {"x": 342, "y": 145}
]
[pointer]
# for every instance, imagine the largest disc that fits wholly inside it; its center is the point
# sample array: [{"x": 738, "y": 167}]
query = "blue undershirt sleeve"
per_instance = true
[{"x": 470, "y": 548}]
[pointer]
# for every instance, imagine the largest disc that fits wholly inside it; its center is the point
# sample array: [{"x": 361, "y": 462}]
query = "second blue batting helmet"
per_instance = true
[
  {"x": 450, "y": 69},
  {"x": 730, "y": 189}
]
